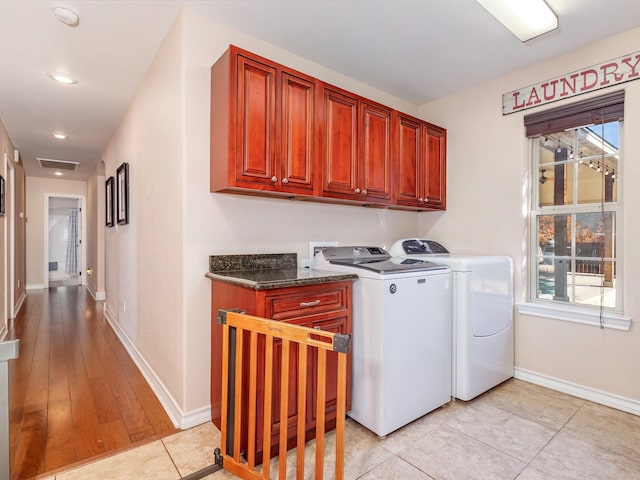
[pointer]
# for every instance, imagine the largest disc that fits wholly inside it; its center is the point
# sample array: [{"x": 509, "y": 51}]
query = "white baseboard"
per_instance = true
[
  {"x": 97, "y": 296},
  {"x": 196, "y": 417},
  {"x": 587, "y": 393},
  {"x": 18, "y": 306},
  {"x": 180, "y": 419},
  {"x": 35, "y": 286}
]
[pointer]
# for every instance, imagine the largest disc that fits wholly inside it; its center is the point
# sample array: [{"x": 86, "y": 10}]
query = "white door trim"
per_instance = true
[{"x": 83, "y": 249}]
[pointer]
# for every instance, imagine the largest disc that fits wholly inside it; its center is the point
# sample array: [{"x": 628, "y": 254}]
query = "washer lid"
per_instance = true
[
  {"x": 393, "y": 265},
  {"x": 375, "y": 259}
]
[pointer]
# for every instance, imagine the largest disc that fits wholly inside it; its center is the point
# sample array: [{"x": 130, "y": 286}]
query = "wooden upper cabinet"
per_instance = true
[
  {"x": 276, "y": 131},
  {"x": 421, "y": 160},
  {"x": 256, "y": 116},
  {"x": 410, "y": 159},
  {"x": 435, "y": 189},
  {"x": 374, "y": 166},
  {"x": 356, "y": 154},
  {"x": 297, "y": 136},
  {"x": 339, "y": 142},
  {"x": 262, "y": 126}
]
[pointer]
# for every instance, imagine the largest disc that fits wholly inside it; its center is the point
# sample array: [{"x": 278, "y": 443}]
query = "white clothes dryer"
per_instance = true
[{"x": 482, "y": 315}]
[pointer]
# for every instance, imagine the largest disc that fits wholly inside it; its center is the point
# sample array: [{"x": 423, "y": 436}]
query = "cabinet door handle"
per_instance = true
[
  {"x": 420, "y": 200},
  {"x": 357, "y": 190},
  {"x": 364, "y": 192},
  {"x": 274, "y": 179},
  {"x": 310, "y": 304},
  {"x": 285, "y": 180},
  {"x": 426, "y": 200}
]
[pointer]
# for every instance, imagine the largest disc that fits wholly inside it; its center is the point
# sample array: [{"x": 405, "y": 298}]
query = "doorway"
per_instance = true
[{"x": 64, "y": 249}]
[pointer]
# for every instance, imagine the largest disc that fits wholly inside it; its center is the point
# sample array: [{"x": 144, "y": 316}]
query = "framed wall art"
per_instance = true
[
  {"x": 122, "y": 194},
  {"x": 1, "y": 195},
  {"x": 109, "y": 197}
]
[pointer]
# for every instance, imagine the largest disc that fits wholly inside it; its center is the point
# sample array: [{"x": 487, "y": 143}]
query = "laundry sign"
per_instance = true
[{"x": 612, "y": 72}]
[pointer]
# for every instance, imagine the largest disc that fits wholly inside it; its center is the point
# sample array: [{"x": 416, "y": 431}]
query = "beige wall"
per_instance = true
[
  {"x": 488, "y": 181},
  {"x": 96, "y": 232},
  {"x": 144, "y": 287},
  {"x": 14, "y": 204},
  {"x": 36, "y": 188},
  {"x": 20, "y": 230}
]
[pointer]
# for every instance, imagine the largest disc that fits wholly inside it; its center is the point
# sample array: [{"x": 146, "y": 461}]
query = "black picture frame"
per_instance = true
[
  {"x": 122, "y": 194},
  {"x": 1, "y": 195},
  {"x": 109, "y": 202}
]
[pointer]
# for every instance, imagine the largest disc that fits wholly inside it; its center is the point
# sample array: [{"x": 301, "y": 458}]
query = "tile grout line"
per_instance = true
[{"x": 550, "y": 440}]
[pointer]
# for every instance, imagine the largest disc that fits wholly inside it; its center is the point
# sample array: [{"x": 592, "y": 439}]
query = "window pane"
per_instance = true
[
  {"x": 595, "y": 234},
  {"x": 589, "y": 275},
  {"x": 598, "y": 163},
  {"x": 595, "y": 281},
  {"x": 554, "y": 235},
  {"x": 556, "y": 169}
]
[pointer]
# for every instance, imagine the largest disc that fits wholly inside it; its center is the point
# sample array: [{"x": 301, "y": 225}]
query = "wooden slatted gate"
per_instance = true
[{"x": 235, "y": 328}]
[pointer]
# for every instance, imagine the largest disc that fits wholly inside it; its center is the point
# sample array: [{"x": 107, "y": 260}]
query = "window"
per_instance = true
[{"x": 576, "y": 212}]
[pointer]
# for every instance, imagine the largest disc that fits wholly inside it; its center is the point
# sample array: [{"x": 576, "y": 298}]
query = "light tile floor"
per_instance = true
[{"x": 517, "y": 430}]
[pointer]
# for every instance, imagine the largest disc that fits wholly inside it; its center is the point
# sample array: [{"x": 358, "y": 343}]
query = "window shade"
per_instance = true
[{"x": 602, "y": 109}]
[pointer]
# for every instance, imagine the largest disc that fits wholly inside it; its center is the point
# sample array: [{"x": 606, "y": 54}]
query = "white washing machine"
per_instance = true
[
  {"x": 401, "y": 335},
  {"x": 482, "y": 315}
]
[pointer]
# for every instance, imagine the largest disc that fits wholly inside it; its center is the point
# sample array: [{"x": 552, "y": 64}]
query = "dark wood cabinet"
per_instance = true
[
  {"x": 325, "y": 306},
  {"x": 356, "y": 153},
  {"x": 262, "y": 126},
  {"x": 279, "y": 132},
  {"x": 421, "y": 160}
]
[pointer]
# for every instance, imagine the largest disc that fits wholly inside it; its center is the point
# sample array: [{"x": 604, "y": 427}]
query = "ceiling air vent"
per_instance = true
[{"x": 58, "y": 164}]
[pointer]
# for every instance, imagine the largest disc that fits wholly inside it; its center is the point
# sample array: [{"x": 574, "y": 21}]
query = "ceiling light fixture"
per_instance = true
[
  {"x": 66, "y": 15},
  {"x": 526, "y": 19},
  {"x": 58, "y": 174},
  {"x": 62, "y": 78},
  {"x": 60, "y": 136}
]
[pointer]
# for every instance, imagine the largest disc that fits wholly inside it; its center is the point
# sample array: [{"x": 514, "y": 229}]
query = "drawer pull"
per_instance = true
[{"x": 310, "y": 304}]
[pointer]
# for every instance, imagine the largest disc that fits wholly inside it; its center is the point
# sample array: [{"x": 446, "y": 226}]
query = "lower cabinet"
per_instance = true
[{"x": 326, "y": 307}]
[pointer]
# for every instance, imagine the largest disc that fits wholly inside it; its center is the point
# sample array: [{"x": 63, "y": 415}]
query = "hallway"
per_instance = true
[{"x": 74, "y": 392}]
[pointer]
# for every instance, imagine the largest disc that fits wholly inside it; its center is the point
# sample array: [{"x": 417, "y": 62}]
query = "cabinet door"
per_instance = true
[
  {"x": 298, "y": 146},
  {"x": 409, "y": 162},
  {"x": 435, "y": 177},
  {"x": 374, "y": 167},
  {"x": 256, "y": 123},
  {"x": 340, "y": 145}
]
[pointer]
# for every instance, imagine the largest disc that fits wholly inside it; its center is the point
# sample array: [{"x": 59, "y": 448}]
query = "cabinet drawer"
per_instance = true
[{"x": 309, "y": 301}]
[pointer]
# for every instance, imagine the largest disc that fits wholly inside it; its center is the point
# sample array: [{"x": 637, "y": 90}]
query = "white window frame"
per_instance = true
[{"x": 603, "y": 317}]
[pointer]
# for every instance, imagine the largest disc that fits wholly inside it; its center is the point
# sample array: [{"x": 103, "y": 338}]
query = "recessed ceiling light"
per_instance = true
[
  {"x": 60, "y": 136},
  {"x": 58, "y": 174},
  {"x": 66, "y": 15},
  {"x": 62, "y": 78}
]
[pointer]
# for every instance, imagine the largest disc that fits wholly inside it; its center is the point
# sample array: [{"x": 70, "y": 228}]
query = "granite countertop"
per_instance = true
[{"x": 268, "y": 271}]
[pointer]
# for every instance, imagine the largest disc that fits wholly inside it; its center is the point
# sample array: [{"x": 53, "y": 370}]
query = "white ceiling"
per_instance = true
[{"x": 418, "y": 50}]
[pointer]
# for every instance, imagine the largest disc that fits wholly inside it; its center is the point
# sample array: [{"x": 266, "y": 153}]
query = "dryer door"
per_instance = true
[{"x": 491, "y": 297}]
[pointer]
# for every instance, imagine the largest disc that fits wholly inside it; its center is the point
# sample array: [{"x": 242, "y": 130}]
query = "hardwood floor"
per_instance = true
[{"x": 74, "y": 392}]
